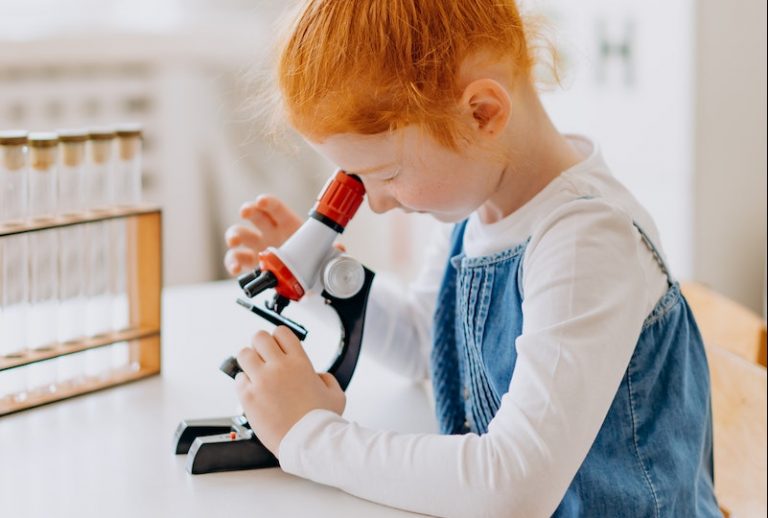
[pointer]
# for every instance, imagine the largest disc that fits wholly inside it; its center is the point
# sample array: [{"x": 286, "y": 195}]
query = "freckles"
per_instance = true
[
  {"x": 440, "y": 184},
  {"x": 426, "y": 197}
]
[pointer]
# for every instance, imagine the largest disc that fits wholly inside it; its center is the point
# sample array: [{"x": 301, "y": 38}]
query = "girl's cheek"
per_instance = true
[{"x": 417, "y": 201}]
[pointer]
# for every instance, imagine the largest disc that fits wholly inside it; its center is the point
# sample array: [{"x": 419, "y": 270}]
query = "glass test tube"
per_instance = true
[
  {"x": 129, "y": 140},
  {"x": 43, "y": 258},
  {"x": 71, "y": 325},
  {"x": 14, "y": 294},
  {"x": 99, "y": 162},
  {"x": 126, "y": 192}
]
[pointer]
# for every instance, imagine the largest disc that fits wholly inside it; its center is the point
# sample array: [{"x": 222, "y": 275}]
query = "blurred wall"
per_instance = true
[{"x": 730, "y": 161}]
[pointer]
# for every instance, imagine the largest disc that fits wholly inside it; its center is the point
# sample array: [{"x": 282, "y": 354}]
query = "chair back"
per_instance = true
[
  {"x": 735, "y": 340},
  {"x": 727, "y": 323},
  {"x": 739, "y": 422}
]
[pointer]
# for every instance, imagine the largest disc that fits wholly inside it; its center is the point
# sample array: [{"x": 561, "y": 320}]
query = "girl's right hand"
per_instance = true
[{"x": 273, "y": 222}]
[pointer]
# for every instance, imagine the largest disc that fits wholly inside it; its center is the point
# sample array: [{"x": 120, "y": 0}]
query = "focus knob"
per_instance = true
[{"x": 343, "y": 277}]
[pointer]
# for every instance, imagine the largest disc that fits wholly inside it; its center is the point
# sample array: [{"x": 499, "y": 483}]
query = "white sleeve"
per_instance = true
[
  {"x": 584, "y": 305},
  {"x": 398, "y": 324}
]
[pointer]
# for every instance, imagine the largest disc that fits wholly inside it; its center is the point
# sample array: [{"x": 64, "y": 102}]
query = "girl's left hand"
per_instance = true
[{"x": 279, "y": 385}]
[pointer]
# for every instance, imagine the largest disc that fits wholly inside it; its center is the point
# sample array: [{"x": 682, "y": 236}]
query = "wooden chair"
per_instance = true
[
  {"x": 727, "y": 323},
  {"x": 735, "y": 342},
  {"x": 739, "y": 420}
]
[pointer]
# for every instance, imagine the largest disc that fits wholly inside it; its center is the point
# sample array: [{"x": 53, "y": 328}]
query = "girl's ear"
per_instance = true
[{"x": 489, "y": 105}]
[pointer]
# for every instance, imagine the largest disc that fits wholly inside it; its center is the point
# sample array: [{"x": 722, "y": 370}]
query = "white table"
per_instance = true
[{"x": 110, "y": 453}]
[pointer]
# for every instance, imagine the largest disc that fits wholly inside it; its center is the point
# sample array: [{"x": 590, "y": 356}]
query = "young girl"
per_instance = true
[{"x": 569, "y": 374}]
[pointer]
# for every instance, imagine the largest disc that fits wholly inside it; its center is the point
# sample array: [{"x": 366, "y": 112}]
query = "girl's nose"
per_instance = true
[{"x": 380, "y": 202}]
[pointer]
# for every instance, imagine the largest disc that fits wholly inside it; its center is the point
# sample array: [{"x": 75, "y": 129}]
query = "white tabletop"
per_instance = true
[{"x": 110, "y": 453}]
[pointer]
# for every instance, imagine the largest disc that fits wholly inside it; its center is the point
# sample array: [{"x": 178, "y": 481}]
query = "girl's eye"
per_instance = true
[{"x": 392, "y": 176}]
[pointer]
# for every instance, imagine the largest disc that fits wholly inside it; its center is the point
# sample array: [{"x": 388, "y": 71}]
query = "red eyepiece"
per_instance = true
[{"x": 341, "y": 198}]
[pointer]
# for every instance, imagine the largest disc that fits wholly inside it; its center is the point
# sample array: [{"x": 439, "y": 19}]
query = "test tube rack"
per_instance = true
[{"x": 144, "y": 282}]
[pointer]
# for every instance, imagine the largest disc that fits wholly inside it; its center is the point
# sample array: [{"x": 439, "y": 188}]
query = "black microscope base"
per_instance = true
[{"x": 223, "y": 444}]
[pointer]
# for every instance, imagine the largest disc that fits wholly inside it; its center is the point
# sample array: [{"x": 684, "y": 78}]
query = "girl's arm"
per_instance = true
[
  {"x": 399, "y": 318},
  {"x": 586, "y": 298}
]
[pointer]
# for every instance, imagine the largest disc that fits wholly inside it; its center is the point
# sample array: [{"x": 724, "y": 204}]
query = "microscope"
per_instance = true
[{"x": 306, "y": 262}]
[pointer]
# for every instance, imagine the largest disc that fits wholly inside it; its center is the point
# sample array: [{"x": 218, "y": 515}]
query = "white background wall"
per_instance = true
[{"x": 730, "y": 159}]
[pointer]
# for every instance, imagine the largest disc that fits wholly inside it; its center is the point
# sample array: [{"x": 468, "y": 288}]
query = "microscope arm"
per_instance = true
[{"x": 351, "y": 313}]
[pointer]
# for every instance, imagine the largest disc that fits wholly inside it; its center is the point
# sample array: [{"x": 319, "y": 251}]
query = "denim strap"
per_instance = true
[
  {"x": 449, "y": 401},
  {"x": 656, "y": 254}
]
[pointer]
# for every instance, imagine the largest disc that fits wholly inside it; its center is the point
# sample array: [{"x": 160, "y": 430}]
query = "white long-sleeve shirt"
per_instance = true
[{"x": 588, "y": 283}]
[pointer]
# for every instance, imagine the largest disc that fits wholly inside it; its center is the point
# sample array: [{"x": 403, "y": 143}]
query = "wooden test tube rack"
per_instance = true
[{"x": 144, "y": 285}]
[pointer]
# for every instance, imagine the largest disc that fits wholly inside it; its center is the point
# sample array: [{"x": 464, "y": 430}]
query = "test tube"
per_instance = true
[
  {"x": 99, "y": 162},
  {"x": 71, "y": 171},
  {"x": 99, "y": 168},
  {"x": 43, "y": 258},
  {"x": 14, "y": 295},
  {"x": 71, "y": 325},
  {"x": 126, "y": 192},
  {"x": 129, "y": 143}
]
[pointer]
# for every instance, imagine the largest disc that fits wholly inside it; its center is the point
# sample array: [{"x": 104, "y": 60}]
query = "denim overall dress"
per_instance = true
[{"x": 653, "y": 453}]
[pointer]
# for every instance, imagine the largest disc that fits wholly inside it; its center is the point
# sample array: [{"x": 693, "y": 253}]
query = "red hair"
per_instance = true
[{"x": 371, "y": 66}]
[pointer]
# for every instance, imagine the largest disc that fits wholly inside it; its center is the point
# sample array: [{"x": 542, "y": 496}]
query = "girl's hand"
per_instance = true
[
  {"x": 273, "y": 222},
  {"x": 278, "y": 386}
]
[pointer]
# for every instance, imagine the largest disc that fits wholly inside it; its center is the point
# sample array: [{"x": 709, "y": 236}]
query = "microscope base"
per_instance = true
[{"x": 223, "y": 444}]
